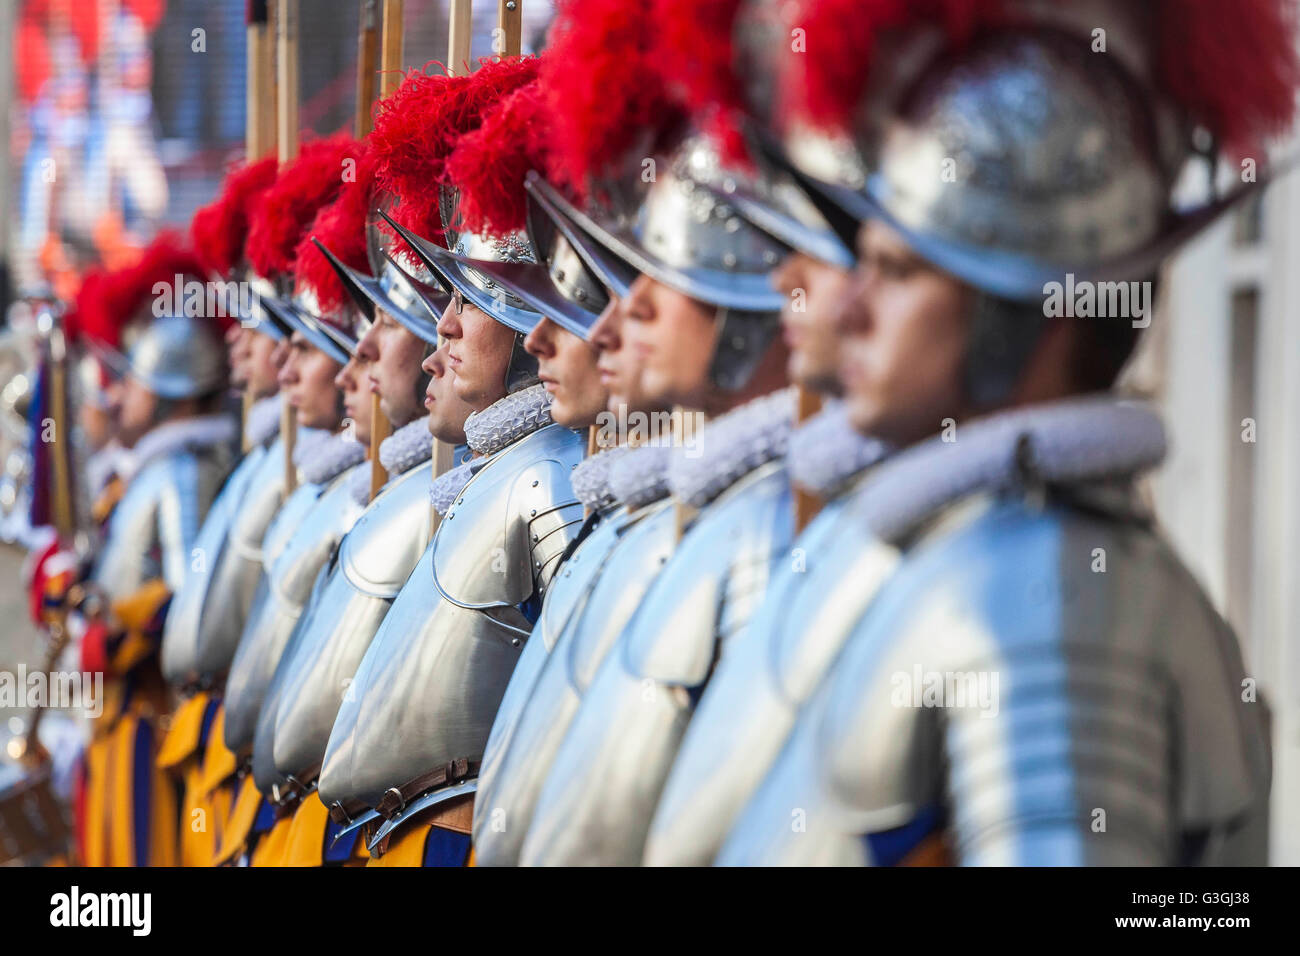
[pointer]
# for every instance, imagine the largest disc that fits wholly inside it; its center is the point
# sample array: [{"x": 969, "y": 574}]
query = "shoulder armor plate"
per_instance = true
[
  {"x": 234, "y": 581},
  {"x": 510, "y": 524},
  {"x": 289, "y": 582},
  {"x": 600, "y": 794},
  {"x": 432, "y": 679},
  {"x": 515, "y": 765},
  {"x": 996, "y": 645},
  {"x": 375, "y": 556},
  {"x": 181, "y": 630}
]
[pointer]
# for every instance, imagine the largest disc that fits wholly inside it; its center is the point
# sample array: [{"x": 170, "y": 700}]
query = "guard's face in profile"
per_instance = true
[
  {"x": 394, "y": 355},
  {"x": 814, "y": 293},
  {"x": 904, "y": 329},
  {"x": 672, "y": 336},
  {"x": 478, "y": 352},
  {"x": 566, "y": 367}
]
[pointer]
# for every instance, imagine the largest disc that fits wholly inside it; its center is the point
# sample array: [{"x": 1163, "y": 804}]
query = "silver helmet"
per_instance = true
[
  {"x": 564, "y": 287},
  {"x": 258, "y": 317},
  {"x": 303, "y": 314},
  {"x": 686, "y": 233},
  {"x": 467, "y": 262},
  {"x": 1026, "y": 158},
  {"x": 467, "y": 267},
  {"x": 178, "y": 357},
  {"x": 394, "y": 291}
]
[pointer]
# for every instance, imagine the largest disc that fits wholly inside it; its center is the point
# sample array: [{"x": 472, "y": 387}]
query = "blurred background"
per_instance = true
[{"x": 120, "y": 117}]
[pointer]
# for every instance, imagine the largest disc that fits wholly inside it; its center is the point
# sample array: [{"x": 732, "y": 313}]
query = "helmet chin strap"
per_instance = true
[
  {"x": 1003, "y": 337},
  {"x": 743, "y": 338},
  {"x": 521, "y": 370}
]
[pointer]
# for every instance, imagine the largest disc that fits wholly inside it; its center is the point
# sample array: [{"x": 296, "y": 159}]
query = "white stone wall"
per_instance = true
[{"x": 1192, "y": 492}]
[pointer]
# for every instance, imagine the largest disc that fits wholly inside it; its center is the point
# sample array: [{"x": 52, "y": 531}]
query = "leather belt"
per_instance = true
[
  {"x": 396, "y": 798},
  {"x": 344, "y": 813}
]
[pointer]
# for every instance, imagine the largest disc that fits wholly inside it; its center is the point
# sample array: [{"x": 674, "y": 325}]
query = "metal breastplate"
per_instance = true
[
  {"x": 374, "y": 559},
  {"x": 1002, "y": 690},
  {"x": 286, "y": 588},
  {"x": 154, "y": 527},
  {"x": 234, "y": 582},
  {"x": 813, "y": 601},
  {"x": 597, "y": 801},
  {"x": 523, "y": 744},
  {"x": 181, "y": 632},
  {"x": 430, "y": 683},
  {"x": 568, "y": 593}
]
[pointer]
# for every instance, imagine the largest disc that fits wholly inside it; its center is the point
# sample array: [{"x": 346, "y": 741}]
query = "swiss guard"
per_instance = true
[
  {"x": 706, "y": 319},
  {"x": 405, "y": 750},
  {"x": 1036, "y": 679},
  {"x": 180, "y": 446},
  {"x": 220, "y": 233},
  {"x": 324, "y": 381},
  {"x": 198, "y": 657}
]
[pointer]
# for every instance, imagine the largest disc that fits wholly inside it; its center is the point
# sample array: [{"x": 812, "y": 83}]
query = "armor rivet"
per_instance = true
[
  {"x": 737, "y": 343},
  {"x": 537, "y": 564},
  {"x": 535, "y": 482},
  {"x": 559, "y": 275},
  {"x": 769, "y": 257},
  {"x": 580, "y": 295},
  {"x": 729, "y": 260},
  {"x": 533, "y": 513},
  {"x": 511, "y": 5},
  {"x": 450, "y": 515},
  {"x": 733, "y": 224},
  {"x": 535, "y": 539},
  {"x": 514, "y": 640},
  {"x": 728, "y": 185}
]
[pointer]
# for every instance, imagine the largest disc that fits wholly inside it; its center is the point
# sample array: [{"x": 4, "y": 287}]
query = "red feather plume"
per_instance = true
[
  {"x": 86, "y": 320},
  {"x": 603, "y": 87},
  {"x": 341, "y": 226},
  {"x": 109, "y": 302},
  {"x": 420, "y": 124},
  {"x": 825, "y": 83},
  {"x": 1232, "y": 66},
  {"x": 696, "y": 57},
  {"x": 488, "y": 166},
  {"x": 220, "y": 228},
  {"x": 285, "y": 211}
]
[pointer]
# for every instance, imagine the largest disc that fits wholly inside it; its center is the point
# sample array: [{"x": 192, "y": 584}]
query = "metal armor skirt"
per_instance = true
[
  {"x": 430, "y": 683},
  {"x": 374, "y": 560},
  {"x": 598, "y": 799},
  {"x": 1004, "y": 692},
  {"x": 287, "y": 585},
  {"x": 513, "y": 772}
]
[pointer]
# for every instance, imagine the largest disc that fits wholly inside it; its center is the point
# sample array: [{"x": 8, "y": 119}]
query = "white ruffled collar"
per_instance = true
[
  {"x": 509, "y": 419},
  {"x": 404, "y": 449},
  {"x": 825, "y": 451},
  {"x": 640, "y": 477},
  {"x": 444, "y": 489},
  {"x": 1096, "y": 438},
  {"x": 590, "y": 479},
  {"x": 201, "y": 431},
  {"x": 327, "y": 458},
  {"x": 731, "y": 446},
  {"x": 263, "y": 421},
  {"x": 410, "y": 445}
]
